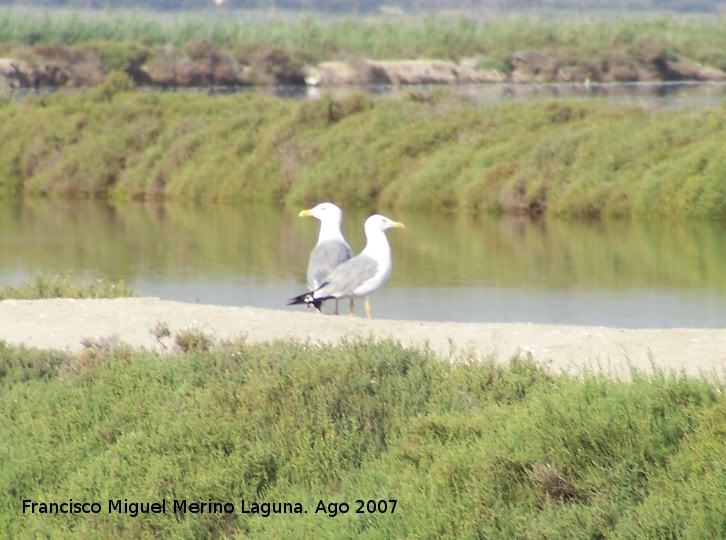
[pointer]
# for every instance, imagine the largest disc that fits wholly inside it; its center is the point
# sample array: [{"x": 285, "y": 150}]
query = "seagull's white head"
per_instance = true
[
  {"x": 381, "y": 223},
  {"x": 325, "y": 213}
]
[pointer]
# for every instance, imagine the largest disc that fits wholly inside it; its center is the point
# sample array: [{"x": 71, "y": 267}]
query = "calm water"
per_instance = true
[
  {"x": 667, "y": 96},
  {"x": 656, "y": 95},
  {"x": 446, "y": 267}
]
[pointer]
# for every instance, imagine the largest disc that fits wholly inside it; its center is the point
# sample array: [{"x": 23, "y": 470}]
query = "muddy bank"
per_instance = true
[{"x": 202, "y": 64}]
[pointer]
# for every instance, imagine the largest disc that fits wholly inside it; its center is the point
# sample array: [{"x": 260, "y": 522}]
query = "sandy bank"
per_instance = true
[{"x": 66, "y": 323}]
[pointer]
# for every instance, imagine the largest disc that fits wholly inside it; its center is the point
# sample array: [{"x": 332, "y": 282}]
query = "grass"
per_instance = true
[
  {"x": 469, "y": 449},
  {"x": 494, "y": 40},
  {"x": 421, "y": 151},
  {"x": 80, "y": 49},
  {"x": 65, "y": 285}
]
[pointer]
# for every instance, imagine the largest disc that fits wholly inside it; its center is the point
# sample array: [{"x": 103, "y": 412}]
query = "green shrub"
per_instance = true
[
  {"x": 465, "y": 448},
  {"x": 427, "y": 152}
]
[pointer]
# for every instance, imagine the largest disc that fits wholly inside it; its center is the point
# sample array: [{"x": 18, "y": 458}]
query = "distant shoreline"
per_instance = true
[{"x": 204, "y": 49}]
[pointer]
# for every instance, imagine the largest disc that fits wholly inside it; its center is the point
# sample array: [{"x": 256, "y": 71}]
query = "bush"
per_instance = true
[{"x": 464, "y": 449}]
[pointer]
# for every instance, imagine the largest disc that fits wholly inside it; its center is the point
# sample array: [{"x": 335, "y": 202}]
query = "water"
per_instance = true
[
  {"x": 446, "y": 267},
  {"x": 648, "y": 95}
]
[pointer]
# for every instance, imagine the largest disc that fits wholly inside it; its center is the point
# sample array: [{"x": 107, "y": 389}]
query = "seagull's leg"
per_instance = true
[
  {"x": 336, "y": 306},
  {"x": 351, "y": 307},
  {"x": 368, "y": 309}
]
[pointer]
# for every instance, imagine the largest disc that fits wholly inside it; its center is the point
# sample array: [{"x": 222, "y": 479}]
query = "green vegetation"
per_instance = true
[
  {"x": 405, "y": 37},
  {"x": 79, "y": 49},
  {"x": 423, "y": 151},
  {"x": 65, "y": 285},
  {"x": 467, "y": 449}
]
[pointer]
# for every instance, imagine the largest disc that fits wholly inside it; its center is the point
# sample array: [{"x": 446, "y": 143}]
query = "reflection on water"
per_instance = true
[
  {"x": 656, "y": 95},
  {"x": 446, "y": 267},
  {"x": 674, "y": 95}
]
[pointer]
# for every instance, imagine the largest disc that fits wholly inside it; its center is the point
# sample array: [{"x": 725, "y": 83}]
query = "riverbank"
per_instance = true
[
  {"x": 426, "y": 152},
  {"x": 79, "y": 49},
  {"x": 69, "y": 323}
]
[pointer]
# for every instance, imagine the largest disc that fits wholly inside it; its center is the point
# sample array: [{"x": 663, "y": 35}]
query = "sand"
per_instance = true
[{"x": 66, "y": 323}]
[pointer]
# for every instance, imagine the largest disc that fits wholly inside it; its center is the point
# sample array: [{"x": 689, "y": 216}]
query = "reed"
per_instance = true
[{"x": 699, "y": 38}]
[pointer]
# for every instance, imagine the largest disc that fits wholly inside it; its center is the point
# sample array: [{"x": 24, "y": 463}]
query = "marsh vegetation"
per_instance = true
[
  {"x": 59, "y": 49},
  {"x": 65, "y": 285},
  {"x": 423, "y": 151},
  {"x": 466, "y": 449}
]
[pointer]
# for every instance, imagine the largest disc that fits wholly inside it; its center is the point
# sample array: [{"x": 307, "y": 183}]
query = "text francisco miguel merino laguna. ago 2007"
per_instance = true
[{"x": 183, "y": 506}]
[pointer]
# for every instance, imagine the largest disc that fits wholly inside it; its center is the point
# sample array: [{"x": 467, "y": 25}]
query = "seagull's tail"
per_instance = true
[{"x": 306, "y": 298}]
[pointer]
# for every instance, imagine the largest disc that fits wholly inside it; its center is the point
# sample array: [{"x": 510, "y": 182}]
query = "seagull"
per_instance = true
[
  {"x": 331, "y": 249},
  {"x": 362, "y": 275}
]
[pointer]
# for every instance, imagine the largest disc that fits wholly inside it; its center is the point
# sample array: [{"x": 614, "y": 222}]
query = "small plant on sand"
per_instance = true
[
  {"x": 161, "y": 331},
  {"x": 193, "y": 340}
]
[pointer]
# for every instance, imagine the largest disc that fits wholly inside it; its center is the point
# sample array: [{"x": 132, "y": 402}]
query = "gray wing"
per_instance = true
[
  {"x": 348, "y": 277},
  {"x": 324, "y": 258}
]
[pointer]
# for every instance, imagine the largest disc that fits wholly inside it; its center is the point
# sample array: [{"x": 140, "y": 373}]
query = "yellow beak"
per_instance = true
[
  {"x": 306, "y": 213},
  {"x": 398, "y": 225}
]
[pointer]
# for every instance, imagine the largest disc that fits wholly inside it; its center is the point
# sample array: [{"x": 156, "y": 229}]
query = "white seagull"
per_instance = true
[
  {"x": 362, "y": 275},
  {"x": 331, "y": 249}
]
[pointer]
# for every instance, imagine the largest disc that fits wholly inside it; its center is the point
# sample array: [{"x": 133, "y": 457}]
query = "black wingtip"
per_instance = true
[{"x": 307, "y": 298}]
